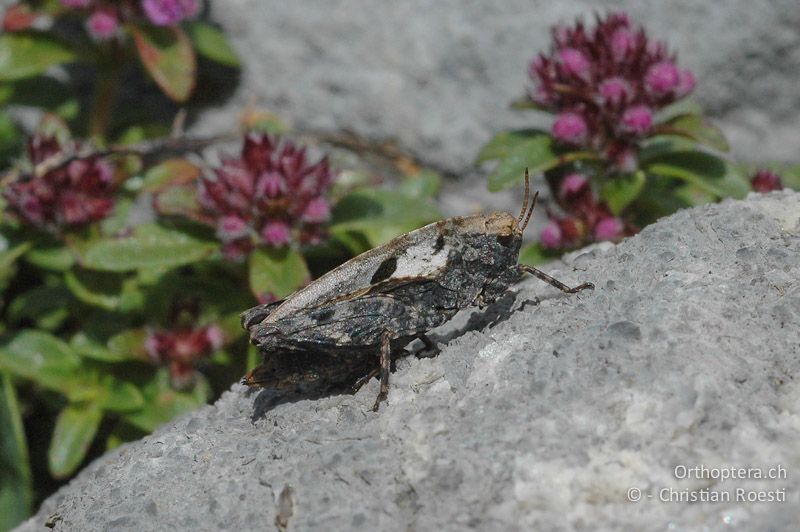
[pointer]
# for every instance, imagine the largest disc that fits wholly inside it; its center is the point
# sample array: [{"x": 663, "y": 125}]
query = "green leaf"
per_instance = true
[
  {"x": 505, "y": 142},
  {"x": 120, "y": 219},
  {"x": 694, "y": 127},
  {"x": 10, "y": 139},
  {"x": 54, "y": 257},
  {"x": 658, "y": 199},
  {"x": 23, "y": 55},
  {"x": 278, "y": 272},
  {"x": 46, "y": 306},
  {"x": 75, "y": 429},
  {"x": 168, "y": 56},
  {"x": 526, "y": 104},
  {"x": 94, "y": 288},
  {"x": 680, "y": 107},
  {"x": 46, "y": 93},
  {"x": 169, "y": 173},
  {"x": 426, "y": 184},
  {"x": 16, "y": 490},
  {"x": 211, "y": 43},
  {"x": 380, "y": 215},
  {"x": 231, "y": 326},
  {"x": 41, "y": 358},
  {"x": 710, "y": 173},
  {"x": 518, "y": 150},
  {"x": 120, "y": 396},
  {"x": 177, "y": 201},
  {"x": 150, "y": 247},
  {"x": 622, "y": 190},
  {"x": 8, "y": 259},
  {"x": 163, "y": 403},
  {"x": 89, "y": 347},
  {"x": 129, "y": 345},
  {"x": 790, "y": 176},
  {"x": 535, "y": 254},
  {"x": 693, "y": 195}
]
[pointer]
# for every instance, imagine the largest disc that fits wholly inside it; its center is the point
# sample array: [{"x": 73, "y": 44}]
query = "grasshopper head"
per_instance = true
[{"x": 504, "y": 224}]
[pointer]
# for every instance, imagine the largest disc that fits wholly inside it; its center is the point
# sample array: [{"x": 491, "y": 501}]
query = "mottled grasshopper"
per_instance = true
[{"x": 344, "y": 328}]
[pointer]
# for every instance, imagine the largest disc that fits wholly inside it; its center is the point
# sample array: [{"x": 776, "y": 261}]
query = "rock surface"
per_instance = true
[
  {"x": 437, "y": 77},
  {"x": 539, "y": 414}
]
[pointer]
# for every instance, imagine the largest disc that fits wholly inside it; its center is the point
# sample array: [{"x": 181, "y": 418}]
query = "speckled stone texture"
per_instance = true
[{"x": 539, "y": 414}]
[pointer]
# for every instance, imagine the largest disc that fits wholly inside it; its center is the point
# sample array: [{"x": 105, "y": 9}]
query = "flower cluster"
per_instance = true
[
  {"x": 181, "y": 348},
  {"x": 587, "y": 220},
  {"x": 270, "y": 196},
  {"x": 605, "y": 86},
  {"x": 105, "y": 17},
  {"x": 68, "y": 193},
  {"x": 766, "y": 181}
]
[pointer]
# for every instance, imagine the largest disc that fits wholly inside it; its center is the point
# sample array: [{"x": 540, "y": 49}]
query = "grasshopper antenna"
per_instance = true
[
  {"x": 530, "y": 212},
  {"x": 525, "y": 201},
  {"x": 520, "y": 223}
]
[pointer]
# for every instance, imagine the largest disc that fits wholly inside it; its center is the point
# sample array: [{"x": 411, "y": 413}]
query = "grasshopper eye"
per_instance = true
[{"x": 505, "y": 240}]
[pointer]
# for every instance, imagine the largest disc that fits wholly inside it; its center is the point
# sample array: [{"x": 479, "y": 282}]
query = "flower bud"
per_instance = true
[
  {"x": 623, "y": 42},
  {"x": 610, "y": 228},
  {"x": 570, "y": 128},
  {"x": 766, "y": 181},
  {"x": 662, "y": 78},
  {"x": 614, "y": 91},
  {"x": 572, "y": 185},
  {"x": 169, "y": 12},
  {"x": 551, "y": 235},
  {"x": 276, "y": 233},
  {"x": 103, "y": 24},
  {"x": 637, "y": 120},
  {"x": 575, "y": 62}
]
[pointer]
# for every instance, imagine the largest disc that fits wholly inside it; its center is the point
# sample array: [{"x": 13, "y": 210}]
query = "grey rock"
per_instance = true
[
  {"x": 437, "y": 77},
  {"x": 537, "y": 415}
]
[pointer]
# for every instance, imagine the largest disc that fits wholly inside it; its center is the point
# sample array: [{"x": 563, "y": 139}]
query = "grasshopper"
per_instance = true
[{"x": 347, "y": 326}]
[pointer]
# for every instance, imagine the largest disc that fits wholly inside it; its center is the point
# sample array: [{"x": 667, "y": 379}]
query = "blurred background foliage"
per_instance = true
[{"x": 127, "y": 250}]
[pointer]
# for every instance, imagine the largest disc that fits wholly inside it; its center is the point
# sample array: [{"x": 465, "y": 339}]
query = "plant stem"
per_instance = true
[{"x": 104, "y": 96}]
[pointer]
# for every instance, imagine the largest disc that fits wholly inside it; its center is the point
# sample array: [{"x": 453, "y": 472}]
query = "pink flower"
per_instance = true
[
  {"x": 570, "y": 128},
  {"x": 103, "y": 23},
  {"x": 270, "y": 184},
  {"x": 686, "y": 83},
  {"x": 610, "y": 228},
  {"x": 573, "y": 184},
  {"x": 623, "y": 42},
  {"x": 317, "y": 211},
  {"x": 766, "y": 181},
  {"x": 181, "y": 347},
  {"x": 551, "y": 235},
  {"x": 614, "y": 90},
  {"x": 574, "y": 62},
  {"x": 276, "y": 233},
  {"x": 232, "y": 227},
  {"x": 637, "y": 120},
  {"x": 71, "y": 195},
  {"x": 169, "y": 12},
  {"x": 593, "y": 76},
  {"x": 215, "y": 337},
  {"x": 662, "y": 78},
  {"x": 266, "y": 197}
]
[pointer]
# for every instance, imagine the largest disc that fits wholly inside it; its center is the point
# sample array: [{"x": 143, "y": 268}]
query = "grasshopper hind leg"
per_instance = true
[{"x": 385, "y": 369}]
